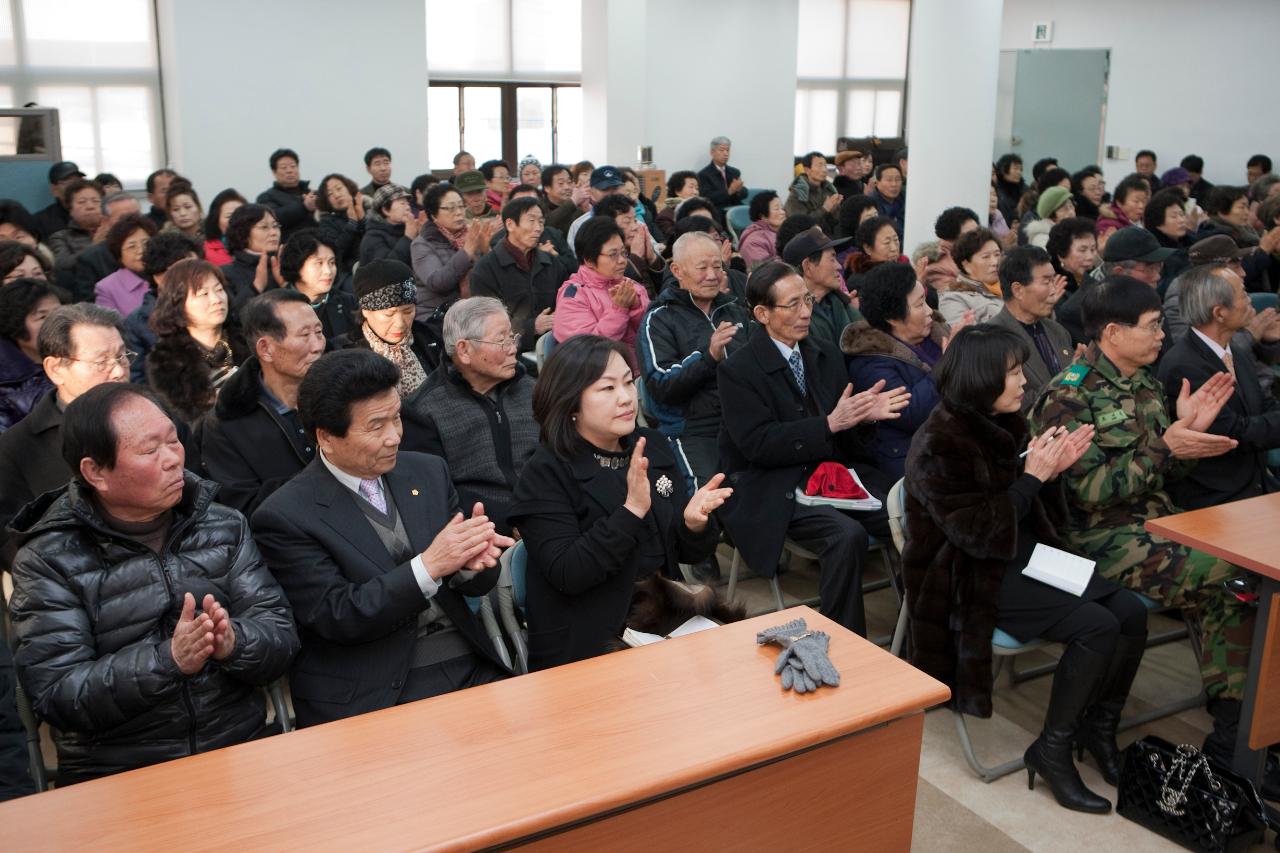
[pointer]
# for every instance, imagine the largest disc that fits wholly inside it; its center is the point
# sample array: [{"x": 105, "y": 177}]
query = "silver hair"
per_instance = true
[
  {"x": 1260, "y": 188},
  {"x": 465, "y": 320},
  {"x": 685, "y": 243},
  {"x": 112, "y": 198},
  {"x": 1200, "y": 290},
  {"x": 1118, "y": 267},
  {"x": 721, "y": 140}
]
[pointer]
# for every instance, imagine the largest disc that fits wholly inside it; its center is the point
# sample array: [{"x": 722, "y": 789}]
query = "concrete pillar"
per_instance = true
[
  {"x": 614, "y": 82},
  {"x": 951, "y": 111}
]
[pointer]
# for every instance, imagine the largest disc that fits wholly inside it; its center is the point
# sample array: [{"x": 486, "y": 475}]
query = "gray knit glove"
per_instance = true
[{"x": 803, "y": 664}]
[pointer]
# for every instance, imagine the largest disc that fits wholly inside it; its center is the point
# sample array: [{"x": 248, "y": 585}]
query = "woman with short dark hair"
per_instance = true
[
  {"x": 1009, "y": 186},
  {"x": 898, "y": 341},
  {"x": 341, "y": 218},
  {"x": 975, "y": 512},
  {"x": 601, "y": 505},
  {"x": 309, "y": 265},
  {"x": 878, "y": 243},
  {"x": 977, "y": 287},
  {"x": 1073, "y": 248},
  {"x": 182, "y": 206},
  {"x": 83, "y": 199},
  {"x": 20, "y": 260},
  {"x": 198, "y": 344},
  {"x": 124, "y": 289},
  {"x": 1128, "y": 204},
  {"x": 23, "y": 306},
  {"x": 1166, "y": 218},
  {"x": 599, "y": 299},
  {"x": 758, "y": 241},
  {"x": 447, "y": 248},
  {"x": 223, "y": 205},
  {"x": 253, "y": 238}
]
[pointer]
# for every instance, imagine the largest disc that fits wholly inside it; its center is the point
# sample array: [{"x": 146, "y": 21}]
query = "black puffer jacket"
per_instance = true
[{"x": 94, "y": 614}]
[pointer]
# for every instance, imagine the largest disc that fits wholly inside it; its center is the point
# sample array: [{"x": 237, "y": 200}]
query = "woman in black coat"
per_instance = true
[
  {"x": 309, "y": 265},
  {"x": 253, "y": 238},
  {"x": 198, "y": 343},
  {"x": 975, "y": 511},
  {"x": 600, "y": 505},
  {"x": 385, "y": 301}
]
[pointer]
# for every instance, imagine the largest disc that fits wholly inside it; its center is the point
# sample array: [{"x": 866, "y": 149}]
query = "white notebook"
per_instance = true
[
  {"x": 693, "y": 625},
  {"x": 1057, "y": 568}
]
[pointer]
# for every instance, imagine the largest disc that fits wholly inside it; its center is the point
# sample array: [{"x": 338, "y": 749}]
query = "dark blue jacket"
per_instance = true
[{"x": 875, "y": 355}]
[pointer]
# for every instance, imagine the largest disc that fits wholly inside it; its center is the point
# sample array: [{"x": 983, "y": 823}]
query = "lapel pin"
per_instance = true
[
  {"x": 413, "y": 492},
  {"x": 664, "y": 486}
]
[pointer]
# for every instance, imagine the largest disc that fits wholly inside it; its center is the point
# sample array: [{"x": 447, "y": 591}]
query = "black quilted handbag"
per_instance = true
[{"x": 1176, "y": 792}]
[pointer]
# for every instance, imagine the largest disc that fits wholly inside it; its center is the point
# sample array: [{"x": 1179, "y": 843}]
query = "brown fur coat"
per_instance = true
[{"x": 962, "y": 532}]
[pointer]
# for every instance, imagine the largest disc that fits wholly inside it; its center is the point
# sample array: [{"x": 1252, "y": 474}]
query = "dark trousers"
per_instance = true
[
  {"x": 840, "y": 539},
  {"x": 698, "y": 457},
  {"x": 447, "y": 676},
  {"x": 1098, "y": 624}
]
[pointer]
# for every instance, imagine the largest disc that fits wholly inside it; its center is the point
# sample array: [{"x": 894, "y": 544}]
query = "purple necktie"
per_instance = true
[{"x": 371, "y": 492}]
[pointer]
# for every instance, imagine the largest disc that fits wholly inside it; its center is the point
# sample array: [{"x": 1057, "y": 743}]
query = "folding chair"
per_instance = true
[{"x": 1005, "y": 647}]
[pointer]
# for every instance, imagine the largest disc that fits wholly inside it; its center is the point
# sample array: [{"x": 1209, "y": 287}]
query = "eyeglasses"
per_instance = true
[
  {"x": 616, "y": 255},
  {"x": 450, "y": 208},
  {"x": 511, "y": 342},
  {"x": 104, "y": 365},
  {"x": 1152, "y": 328},
  {"x": 794, "y": 305}
]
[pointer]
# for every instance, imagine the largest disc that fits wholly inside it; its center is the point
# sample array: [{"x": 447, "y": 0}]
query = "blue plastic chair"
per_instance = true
[
  {"x": 519, "y": 567},
  {"x": 738, "y": 218},
  {"x": 1263, "y": 301},
  {"x": 752, "y": 192}
]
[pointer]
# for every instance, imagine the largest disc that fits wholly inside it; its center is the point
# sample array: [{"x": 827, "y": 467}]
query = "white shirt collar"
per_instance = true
[
  {"x": 1219, "y": 351},
  {"x": 784, "y": 349},
  {"x": 351, "y": 481}
]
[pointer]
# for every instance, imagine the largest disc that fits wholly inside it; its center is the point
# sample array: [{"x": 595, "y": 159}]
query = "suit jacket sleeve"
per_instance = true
[
  {"x": 1261, "y": 431},
  {"x": 266, "y": 639},
  {"x": 763, "y": 439},
  {"x": 324, "y": 599}
]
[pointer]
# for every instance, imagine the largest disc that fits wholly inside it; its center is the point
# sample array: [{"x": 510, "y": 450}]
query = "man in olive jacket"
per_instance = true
[{"x": 145, "y": 617}]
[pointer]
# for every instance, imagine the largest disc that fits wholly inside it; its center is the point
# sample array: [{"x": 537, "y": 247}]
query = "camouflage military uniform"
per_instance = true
[{"x": 1118, "y": 485}]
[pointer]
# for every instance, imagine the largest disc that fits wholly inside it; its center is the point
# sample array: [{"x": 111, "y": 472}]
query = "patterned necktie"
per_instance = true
[
  {"x": 372, "y": 492},
  {"x": 1230, "y": 363},
  {"x": 797, "y": 369}
]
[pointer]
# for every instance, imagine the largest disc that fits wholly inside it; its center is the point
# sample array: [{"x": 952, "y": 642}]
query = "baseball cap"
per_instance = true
[
  {"x": 469, "y": 182},
  {"x": 1216, "y": 250},
  {"x": 808, "y": 243},
  {"x": 606, "y": 177},
  {"x": 62, "y": 170},
  {"x": 1134, "y": 243}
]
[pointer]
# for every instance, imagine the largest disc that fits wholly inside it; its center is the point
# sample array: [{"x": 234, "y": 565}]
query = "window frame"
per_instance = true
[
  {"x": 844, "y": 85},
  {"x": 25, "y": 79},
  {"x": 507, "y": 91}
]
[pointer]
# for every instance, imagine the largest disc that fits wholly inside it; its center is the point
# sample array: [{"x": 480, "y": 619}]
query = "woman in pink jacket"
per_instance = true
[
  {"x": 599, "y": 299},
  {"x": 758, "y": 241}
]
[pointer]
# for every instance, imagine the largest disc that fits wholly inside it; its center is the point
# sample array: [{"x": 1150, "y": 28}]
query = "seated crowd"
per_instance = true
[{"x": 292, "y": 437}]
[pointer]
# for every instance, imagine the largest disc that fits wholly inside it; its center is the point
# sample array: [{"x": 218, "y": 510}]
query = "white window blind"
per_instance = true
[{"x": 97, "y": 62}]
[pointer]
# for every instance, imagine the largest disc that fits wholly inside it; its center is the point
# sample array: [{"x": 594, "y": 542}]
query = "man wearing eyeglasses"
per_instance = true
[
  {"x": 788, "y": 407},
  {"x": 81, "y": 347},
  {"x": 476, "y": 409},
  {"x": 1145, "y": 441}
]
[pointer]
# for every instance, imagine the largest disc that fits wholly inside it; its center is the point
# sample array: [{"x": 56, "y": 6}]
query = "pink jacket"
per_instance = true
[
  {"x": 584, "y": 307},
  {"x": 758, "y": 243}
]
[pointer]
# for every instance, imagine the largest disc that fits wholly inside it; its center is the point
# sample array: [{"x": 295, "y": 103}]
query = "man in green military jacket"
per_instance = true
[{"x": 1119, "y": 483}]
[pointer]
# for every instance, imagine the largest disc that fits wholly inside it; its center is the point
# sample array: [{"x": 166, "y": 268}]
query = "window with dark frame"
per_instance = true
[{"x": 503, "y": 121}]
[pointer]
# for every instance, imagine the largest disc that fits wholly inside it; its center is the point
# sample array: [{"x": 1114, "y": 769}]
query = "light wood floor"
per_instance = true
[{"x": 955, "y": 811}]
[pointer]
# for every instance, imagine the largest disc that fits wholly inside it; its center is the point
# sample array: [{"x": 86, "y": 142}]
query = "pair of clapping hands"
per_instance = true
[
  {"x": 1056, "y": 450},
  {"x": 873, "y": 404}
]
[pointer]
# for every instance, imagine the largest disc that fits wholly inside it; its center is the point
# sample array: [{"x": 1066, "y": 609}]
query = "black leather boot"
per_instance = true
[
  {"x": 1220, "y": 745},
  {"x": 1079, "y": 672},
  {"x": 1098, "y": 727}
]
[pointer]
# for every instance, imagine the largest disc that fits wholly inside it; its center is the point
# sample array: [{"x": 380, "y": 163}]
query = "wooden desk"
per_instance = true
[
  {"x": 1246, "y": 533},
  {"x": 686, "y": 744}
]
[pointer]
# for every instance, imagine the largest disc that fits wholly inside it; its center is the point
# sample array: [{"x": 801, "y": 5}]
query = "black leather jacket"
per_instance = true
[{"x": 94, "y": 614}]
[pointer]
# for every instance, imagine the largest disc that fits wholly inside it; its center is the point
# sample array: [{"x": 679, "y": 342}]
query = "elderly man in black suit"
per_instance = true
[
  {"x": 375, "y": 555},
  {"x": 718, "y": 182},
  {"x": 793, "y": 408},
  {"x": 1031, "y": 287},
  {"x": 1215, "y": 304}
]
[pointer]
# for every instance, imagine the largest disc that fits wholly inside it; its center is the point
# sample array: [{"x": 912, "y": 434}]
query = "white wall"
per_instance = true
[
  {"x": 325, "y": 77},
  {"x": 723, "y": 67},
  {"x": 1187, "y": 77},
  {"x": 675, "y": 73}
]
